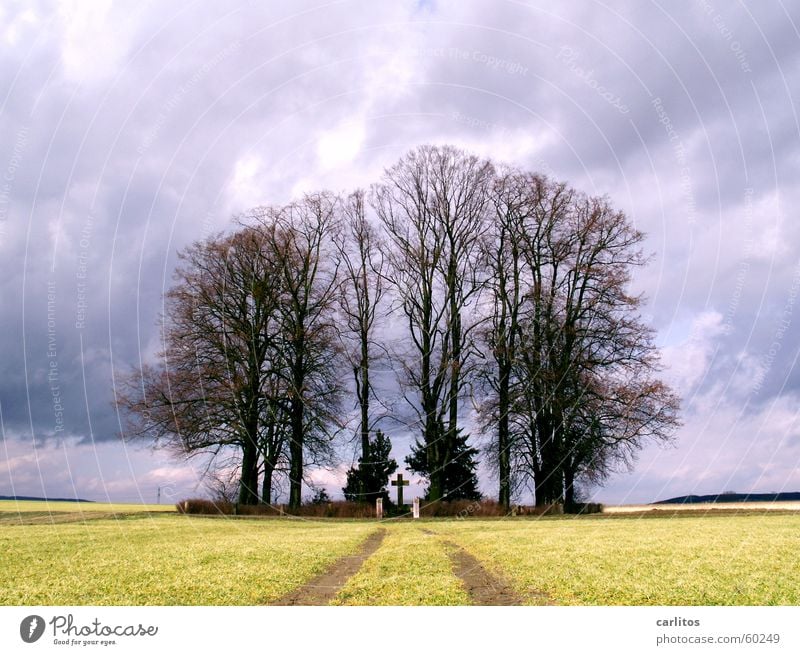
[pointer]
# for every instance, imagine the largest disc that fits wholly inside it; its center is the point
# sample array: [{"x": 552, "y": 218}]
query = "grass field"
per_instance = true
[
  {"x": 162, "y": 559},
  {"x": 126, "y": 555},
  {"x": 692, "y": 560}
]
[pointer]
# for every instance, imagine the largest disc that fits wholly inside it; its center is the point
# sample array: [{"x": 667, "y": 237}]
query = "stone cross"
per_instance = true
[{"x": 400, "y": 483}]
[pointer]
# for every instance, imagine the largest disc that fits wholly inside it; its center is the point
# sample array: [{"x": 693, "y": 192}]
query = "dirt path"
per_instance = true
[
  {"x": 323, "y": 589},
  {"x": 484, "y": 588}
]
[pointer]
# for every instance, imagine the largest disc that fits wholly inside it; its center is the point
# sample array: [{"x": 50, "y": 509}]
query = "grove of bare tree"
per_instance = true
[{"x": 499, "y": 297}]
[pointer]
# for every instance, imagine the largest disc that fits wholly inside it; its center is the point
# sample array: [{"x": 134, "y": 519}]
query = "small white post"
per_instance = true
[
  {"x": 379, "y": 508},
  {"x": 416, "y": 508}
]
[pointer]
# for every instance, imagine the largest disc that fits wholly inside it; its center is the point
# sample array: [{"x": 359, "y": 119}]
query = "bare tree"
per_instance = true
[
  {"x": 514, "y": 199},
  {"x": 432, "y": 205},
  {"x": 250, "y": 349},
  {"x": 223, "y": 478},
  {"x": 575, "y": 391},
  {"x": 362, "y": 292},
  {"x": 299, "y": 237},
  {"x": 604, "y": 356},
  {"x": 207, "y": 394}
]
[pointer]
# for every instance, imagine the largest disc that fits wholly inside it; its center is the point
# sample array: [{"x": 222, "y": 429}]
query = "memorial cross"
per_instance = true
[{"x": 400, "y": 483}]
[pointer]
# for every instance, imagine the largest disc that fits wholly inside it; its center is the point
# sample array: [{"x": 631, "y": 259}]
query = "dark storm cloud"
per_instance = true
[{"x": 131, "y": 131}]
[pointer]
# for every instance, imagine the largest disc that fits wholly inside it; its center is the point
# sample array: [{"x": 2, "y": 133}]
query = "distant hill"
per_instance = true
[
  {"x": 732, "y": 498},
  {"x": 52, "y": 500}
]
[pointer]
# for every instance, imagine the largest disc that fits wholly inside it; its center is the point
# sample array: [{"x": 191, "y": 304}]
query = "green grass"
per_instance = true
[
  {"x": 147, "y": 558},
  {"x": 410, "y": 568},
  {"x": 167, "y": 560},
  {"x": 698, "y": 560}
]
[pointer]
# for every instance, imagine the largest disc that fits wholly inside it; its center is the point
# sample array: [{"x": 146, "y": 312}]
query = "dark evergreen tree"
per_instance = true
[
  {"x": 372, "y": 473},
  {"x": 460, "y": 481},
  {"x": 320, "y": 496}
]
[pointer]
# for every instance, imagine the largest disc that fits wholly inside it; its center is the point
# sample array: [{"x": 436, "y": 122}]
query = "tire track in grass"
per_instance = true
[
  {"x": 324, "y": 588},
  {"x": 484, "y": 588},
  {"x": 410, "y": 568}
]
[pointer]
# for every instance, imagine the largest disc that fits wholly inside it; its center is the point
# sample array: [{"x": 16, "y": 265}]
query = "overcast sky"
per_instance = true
[{"x": 127, "y": 131}]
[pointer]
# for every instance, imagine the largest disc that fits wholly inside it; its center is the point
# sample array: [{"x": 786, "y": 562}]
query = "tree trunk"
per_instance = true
[
  {"x": 503, "y": 445},
  {"x": 366, "y": 461},
  {"x": 548, "y": 479},
  {"x": 455, "y": 378},
  {"x": 266, "y": 486},
  {"x": 433, "y": 440},
  {"x": 542, "y": 492},
  {"x": 269, "y": 455},
  {"x": 569, "y": 489},
  {"x": 549, "y": 485},
  {"x": 248, "y": 486},
  {"x": 296, "y": 454}
]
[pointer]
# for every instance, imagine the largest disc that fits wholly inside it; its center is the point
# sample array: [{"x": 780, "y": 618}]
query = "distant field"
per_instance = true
[
  {"x": 65, "y": 506},
  {"x": 37, "y": 512},
  {"x": 760, "y": 506},
  {"x": 150, "y": 558}
]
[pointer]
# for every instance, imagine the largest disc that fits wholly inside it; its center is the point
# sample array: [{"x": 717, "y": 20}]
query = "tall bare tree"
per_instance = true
[
  {"x": 362, "y": 292},
  {"x": 207, "y": 394},
  {"x": 514, "y": 198},
  {"x": 433, "y": 207},
  {"x": 603, "y": 354},
  {"x": 300, "y": 238}
]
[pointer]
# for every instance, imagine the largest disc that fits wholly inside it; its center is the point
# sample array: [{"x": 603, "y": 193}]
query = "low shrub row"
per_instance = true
[
  {"x": 339, "y": 509},
  {"x": 460, "y": 509}
]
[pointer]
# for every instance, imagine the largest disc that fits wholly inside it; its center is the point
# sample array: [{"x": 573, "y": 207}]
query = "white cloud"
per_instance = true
[
  {"x": 339, "y": 146},
  {"x": 769, "y": 232},
  {"x": 18, "y": 28},
  {"x": 689, "y": 360},
  {"x": 245, "y": 183},
  {"x": 95, "y": 38},
  {"x": 101, "y": 471},
  {"x": 332, "y": 479}
]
